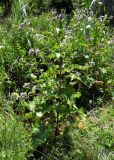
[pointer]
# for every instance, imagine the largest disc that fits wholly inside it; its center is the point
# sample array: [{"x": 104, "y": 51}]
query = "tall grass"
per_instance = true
[{"x": 14, "y": 138}]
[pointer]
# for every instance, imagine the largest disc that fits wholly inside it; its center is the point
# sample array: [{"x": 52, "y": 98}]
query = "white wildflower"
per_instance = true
[
  {"x": 90, "y": 101},
  {"x": 37, "y": 51},
  {"x": 57, "y": 30},
  {"x": 36, "y": 36},
  {"x": 101, "y": 18},
  {"x": 88, "y": 26},
  {"x": 39, "y": 114},
  {"x": 2, "y": 47},
  {"x": 58, "y": 55},
  {"x": 92, "y": 63},
  {"x": 81, "y": 29},
  {"x": 89, "y": 19},
  {"x": 26, "y": 85},
  {"x": 33, "y": 76}
]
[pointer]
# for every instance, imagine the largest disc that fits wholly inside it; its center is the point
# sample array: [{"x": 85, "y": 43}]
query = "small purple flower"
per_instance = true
[
  {"x": 22, "y": 25},
  {"x": 60, "y": 16},
  {"x": 23, "y": 95},
  {"x": 31, "y": 51}
]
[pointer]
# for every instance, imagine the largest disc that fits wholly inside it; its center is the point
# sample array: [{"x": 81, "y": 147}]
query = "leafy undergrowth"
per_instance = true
[
  {"x": 89, "y": 137},
  {"x": 94, "y": 138}
]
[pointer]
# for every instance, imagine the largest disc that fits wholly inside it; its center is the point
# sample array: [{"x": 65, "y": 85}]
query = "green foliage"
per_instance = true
[
  {"x": 37, "y": 7},
  {"x": 14, "y": 138},
  {"x": 50, "y": 68},
  {"x": 92, "y": 136},
  {"x": 6, "y": 6},
  {"x": 88, "y": 137}
]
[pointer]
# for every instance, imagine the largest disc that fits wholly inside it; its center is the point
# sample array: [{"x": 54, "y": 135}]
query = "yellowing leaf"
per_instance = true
[{"x": 81, "y": 125}]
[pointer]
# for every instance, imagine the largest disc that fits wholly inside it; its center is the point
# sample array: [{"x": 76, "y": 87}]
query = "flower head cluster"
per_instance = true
[
  {"x": 22, "y": 25},
  {"x": 34, "y": 51},
  {"x": 22, "y": 95},
  {"x": 60, "y": 16}
]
